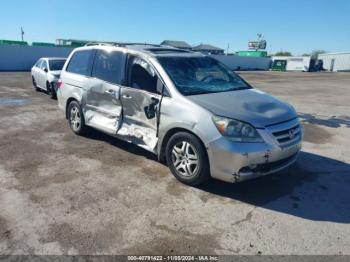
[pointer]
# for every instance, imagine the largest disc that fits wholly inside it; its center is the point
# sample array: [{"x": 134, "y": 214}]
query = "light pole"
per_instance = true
[{"x": 22, "y": 34}]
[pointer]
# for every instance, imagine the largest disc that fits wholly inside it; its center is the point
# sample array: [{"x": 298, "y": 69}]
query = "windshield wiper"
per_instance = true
[
  {"x": 216, "y": 91},
  {"x": 198, "y": 93}
]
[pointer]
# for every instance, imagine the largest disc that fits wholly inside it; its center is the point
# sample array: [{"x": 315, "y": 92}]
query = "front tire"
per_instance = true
[
  {"x": 187, "y": 159},
  {"x": 76, "y": 118},
  {"x": 35, "y": 85}
]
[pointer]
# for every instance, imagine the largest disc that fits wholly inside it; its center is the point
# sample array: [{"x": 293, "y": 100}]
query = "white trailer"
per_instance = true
[
  {"x": 295, "y": 63},
  {"x": 235, "y": 62},
  {"x": 335, "y": 62}
]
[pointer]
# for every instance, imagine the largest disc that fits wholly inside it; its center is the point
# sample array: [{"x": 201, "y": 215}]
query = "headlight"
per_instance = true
[{"x": 236, "y": 130}]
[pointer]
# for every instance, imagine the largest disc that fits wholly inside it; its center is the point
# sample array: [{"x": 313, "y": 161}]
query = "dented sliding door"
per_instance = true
[{"x": 103, "y": 104}]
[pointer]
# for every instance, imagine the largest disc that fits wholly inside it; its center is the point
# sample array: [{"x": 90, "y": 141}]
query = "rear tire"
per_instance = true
[
  {"x": 187, "y": 159},
  {"x": 76, "y": 118},
  {"x": 50, "y": 90}
]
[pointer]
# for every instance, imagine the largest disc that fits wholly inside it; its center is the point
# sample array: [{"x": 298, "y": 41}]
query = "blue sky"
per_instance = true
[{"x": 292, "y": 25}]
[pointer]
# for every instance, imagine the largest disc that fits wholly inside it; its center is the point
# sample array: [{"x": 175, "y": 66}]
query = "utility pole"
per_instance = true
[{"x": 22, "y": 34}]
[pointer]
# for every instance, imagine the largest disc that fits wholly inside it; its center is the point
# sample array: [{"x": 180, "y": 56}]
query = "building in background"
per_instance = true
[
  {"x": 72, "y": 42},
  {"x": 291, "y": 63},
  {"x": 177, "y": 44},
  {"x": 335, "y": 62},
  {"x": 208, "y": 49}
]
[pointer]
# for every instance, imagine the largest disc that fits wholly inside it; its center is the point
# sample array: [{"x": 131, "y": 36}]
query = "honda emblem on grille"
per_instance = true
[{"x": 292, "y": 133}]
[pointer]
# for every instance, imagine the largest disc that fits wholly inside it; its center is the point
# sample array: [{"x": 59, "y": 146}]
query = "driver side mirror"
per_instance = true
[{"x": 45, "y": 69}]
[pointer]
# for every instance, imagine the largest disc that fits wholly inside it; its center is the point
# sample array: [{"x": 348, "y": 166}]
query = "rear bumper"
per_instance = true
[
  {"x": 235, "y": 162},
  {"x": 61, "y": 105},
  {"x": 54, "y": 85}
]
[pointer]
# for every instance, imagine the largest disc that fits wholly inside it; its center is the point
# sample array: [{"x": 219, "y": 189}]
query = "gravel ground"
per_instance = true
[{"x": 65, "y": 194}]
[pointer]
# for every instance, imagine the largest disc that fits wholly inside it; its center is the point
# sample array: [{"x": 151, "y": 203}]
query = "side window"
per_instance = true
[
  {"x": 43, "y": 65},
  {"x": 142, "y": 75},
  {"x": 80, "y": 63},
  {"x": 108, "y": 66}
]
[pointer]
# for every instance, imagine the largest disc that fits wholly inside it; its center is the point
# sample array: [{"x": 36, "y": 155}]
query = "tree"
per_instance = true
[
  {"x": 283, "y": 53},
  {"x": 315, "y": 53}
]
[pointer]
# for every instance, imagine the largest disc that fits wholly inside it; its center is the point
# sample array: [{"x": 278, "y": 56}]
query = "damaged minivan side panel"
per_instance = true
[
  {"x": 77, "y": 72},
  {"x": 103, "y": 107}
]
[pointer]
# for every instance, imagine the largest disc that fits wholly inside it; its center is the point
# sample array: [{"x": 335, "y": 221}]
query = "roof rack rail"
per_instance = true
[
  {"x": 118, "y": 44},
  {"x": 97, "y": 43}
]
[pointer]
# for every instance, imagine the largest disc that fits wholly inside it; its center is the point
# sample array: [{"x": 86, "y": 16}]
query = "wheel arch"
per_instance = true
[
  {"x": 169, "y": 134},
  {"x": 69, "y": 100}
]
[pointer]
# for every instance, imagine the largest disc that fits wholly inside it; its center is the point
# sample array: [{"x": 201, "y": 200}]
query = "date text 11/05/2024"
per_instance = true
[{"x": 173, "y": 258}]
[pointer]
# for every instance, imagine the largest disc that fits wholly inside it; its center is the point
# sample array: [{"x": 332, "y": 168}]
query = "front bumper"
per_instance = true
[{"x": 235, "y": 162}]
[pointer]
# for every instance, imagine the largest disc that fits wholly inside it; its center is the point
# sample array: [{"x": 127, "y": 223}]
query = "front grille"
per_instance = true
[
  {"x": 288, "y": 136},
  {"x": 266, "y": 167}
]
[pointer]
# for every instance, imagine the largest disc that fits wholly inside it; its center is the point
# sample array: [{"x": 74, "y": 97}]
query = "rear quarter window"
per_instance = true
[
  {"x": 44, "y": 65},
  {"x": 80, "y": 63}
]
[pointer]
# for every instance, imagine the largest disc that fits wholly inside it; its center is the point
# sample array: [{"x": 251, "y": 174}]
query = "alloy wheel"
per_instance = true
[
  {"x": 75, "y": 119},
  {"x": 185, "y": 159}
]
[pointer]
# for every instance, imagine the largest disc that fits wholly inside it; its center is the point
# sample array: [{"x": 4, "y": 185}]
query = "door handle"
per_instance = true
[
  {"x": 127, "y": 96},
  {"x": 109, "y": 92}
]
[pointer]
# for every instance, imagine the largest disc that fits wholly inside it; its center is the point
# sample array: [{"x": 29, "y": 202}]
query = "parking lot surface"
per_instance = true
[{"x": 65, "y": 194}]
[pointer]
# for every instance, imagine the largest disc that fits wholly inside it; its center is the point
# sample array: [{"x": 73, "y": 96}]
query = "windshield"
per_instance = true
[
  {"x": 56, "y": 64},
  {"x": 201, "y": 75}
]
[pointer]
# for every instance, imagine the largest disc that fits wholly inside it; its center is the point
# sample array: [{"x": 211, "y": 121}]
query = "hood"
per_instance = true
[
  {"x": 56, "y": 73},
  {"x": 250, "y": 105}
]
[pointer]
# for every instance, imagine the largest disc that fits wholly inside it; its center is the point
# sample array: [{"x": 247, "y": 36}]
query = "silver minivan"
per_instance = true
[{"x": 192, "y": 111}]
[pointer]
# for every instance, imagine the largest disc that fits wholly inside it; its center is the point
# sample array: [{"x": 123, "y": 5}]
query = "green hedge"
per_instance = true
[
  {"x": 12, "y": 42},
  {"x": 43, "y": 44}
]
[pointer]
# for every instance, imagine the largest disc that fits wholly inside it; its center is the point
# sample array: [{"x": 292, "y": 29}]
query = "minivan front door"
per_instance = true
[
  {"x": 140, "y": 102},
  {"x": 103, "y": 105}
]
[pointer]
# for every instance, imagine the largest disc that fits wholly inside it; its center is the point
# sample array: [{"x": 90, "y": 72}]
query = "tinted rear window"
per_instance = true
[
  {"x": 108, "y": 66},
  {"x": 56, "y": 64},
  {"x": 80, "y": 63}
]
